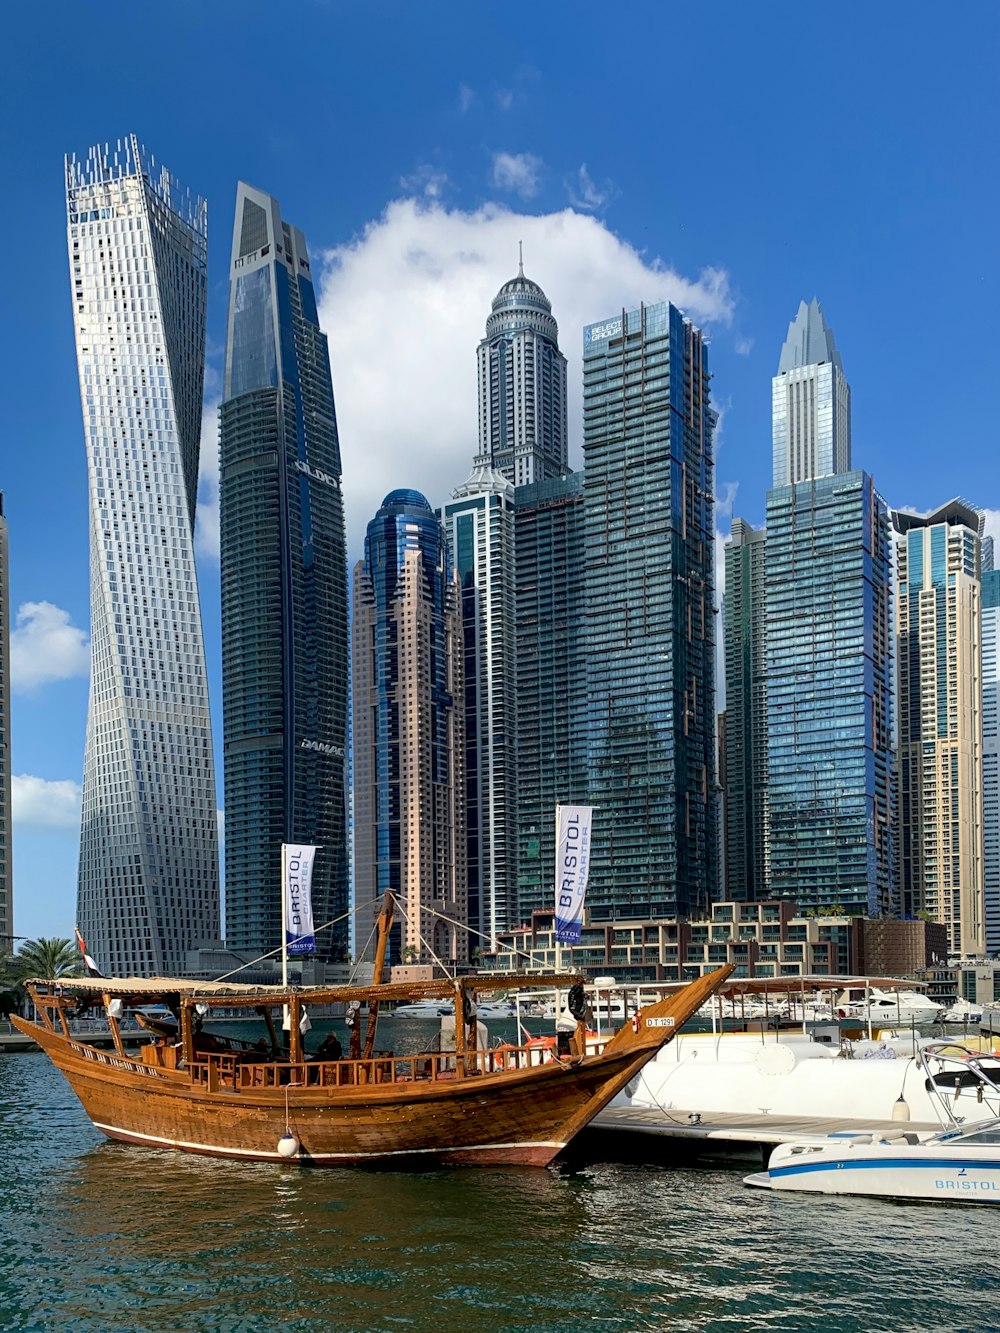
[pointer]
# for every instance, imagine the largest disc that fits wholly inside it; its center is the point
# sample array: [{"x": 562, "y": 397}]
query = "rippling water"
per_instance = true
[{"x": 99, "y": 1237}]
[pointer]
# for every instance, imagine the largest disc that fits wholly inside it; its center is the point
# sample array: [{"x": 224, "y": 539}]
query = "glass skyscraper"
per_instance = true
[
  {"x": 480, "y": 526},
  {"x": 408, "y": 733},
  {"x": 284, "y": 587},
  {"x": 745, "y": 739},
  {"x": 941, "y": 720},
  {"x": 522, "y": 386},
  {"x": 829, "y": 661},
  {"x": 550, "y": 605},
  {"x": 650, "y": 566},
  {"x": 148, "y": 887},
  {"x": 810, "y": 403}
]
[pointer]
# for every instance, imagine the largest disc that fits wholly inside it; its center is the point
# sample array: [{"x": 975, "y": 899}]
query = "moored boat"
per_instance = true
[
  {"x": 957, "y": 1166},
  {"x": 228, "y": 1097}
]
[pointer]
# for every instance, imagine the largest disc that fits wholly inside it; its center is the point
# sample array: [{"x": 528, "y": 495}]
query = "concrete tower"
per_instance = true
[{"x": 149, "y": 876}]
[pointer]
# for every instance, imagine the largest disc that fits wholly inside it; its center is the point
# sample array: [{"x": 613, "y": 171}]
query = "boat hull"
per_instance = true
[
  {"x": 915, "y": 1172},
  {"x": 521, "y": 1117}
]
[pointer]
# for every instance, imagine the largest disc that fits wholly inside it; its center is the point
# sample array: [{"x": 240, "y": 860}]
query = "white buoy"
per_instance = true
[
  {"x": 288, "y": 1144},
  {"x": 900, "y": 1109}
]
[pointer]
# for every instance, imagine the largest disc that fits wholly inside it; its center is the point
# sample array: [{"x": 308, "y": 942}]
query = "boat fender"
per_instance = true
[
  {"x": 635, "y": 1022},
  {"x": 576, "y": 1001},
  {"x": 288, "y": 1144}
]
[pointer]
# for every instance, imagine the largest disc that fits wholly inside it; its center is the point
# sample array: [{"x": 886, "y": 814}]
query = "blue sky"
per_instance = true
[{"x": 732, "y": 157}]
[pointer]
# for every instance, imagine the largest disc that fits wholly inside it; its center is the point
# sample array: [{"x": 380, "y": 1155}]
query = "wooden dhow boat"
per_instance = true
[{"x": 191, "y": 1089}]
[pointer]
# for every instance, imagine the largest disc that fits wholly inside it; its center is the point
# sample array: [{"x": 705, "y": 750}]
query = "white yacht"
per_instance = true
[
  {"x": 422, "y": 1009},
  {"x": 883, "y": 1008},
  {"x": 789, "y": 1074},
  {"x": 962, "y": 1014}
]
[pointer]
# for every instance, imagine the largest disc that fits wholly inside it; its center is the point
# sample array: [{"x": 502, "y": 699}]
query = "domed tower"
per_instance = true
[
  {"x": 522, "y": 386},
  {"x": 408, "y": 732}
]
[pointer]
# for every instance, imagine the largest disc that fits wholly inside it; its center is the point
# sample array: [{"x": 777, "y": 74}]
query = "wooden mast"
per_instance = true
[{"x": 384, "y": 922}]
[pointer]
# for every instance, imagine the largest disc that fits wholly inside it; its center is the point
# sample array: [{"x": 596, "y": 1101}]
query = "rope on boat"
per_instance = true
[{"x": 264, "y": 956}]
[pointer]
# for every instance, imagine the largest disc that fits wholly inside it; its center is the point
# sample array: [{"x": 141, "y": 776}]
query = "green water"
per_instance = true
[{"x": 99, "y": 1237}]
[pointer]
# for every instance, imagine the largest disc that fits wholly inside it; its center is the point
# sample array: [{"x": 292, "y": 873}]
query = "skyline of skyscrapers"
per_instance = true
[
  {"x": 149, "y": 871},
  {"x": 649, "y": 497},
  {"x": 408, "y": 740},
  {"x": 569, "y": 596},
  {"x": 939, "y": 564},
  {"x": 284, "y": 587}
]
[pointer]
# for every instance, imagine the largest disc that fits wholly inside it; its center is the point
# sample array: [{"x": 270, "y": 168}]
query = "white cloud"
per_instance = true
[
  {"x": 517, "y": 173},
  {"x": 49, "y": 804},
  {"x": 504, "y": 98},
  {"x": 429, "y": 181},
  {"x": 405, "y": 305},
  {"x": 206, "y": 523},
  {"x": 585, "y": 193},
  {"x": 45, "y": 646},
  {"x": 743, "y": 346},
  {"x": 466, "y": 97}
]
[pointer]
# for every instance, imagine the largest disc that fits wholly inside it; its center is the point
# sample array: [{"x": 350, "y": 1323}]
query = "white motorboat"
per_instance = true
[
  {"x": 422, "y": 1009},
  {"x": 879, "y": 1008},
  {"x": 962, "y": 1014},
  {"x": 958, "y": 1165}
]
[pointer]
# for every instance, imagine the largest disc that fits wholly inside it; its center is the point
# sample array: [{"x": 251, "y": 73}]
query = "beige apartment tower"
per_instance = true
[
  {"x": 409, "y": 735},
  {"x": 940, "y": 558}
]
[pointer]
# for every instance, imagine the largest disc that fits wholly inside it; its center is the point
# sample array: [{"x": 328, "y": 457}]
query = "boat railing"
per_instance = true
[{"x": 220, "y": 1071}]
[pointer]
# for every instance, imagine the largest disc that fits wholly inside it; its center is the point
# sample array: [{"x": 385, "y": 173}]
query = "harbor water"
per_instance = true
[{"x": 99, "y": 1237}]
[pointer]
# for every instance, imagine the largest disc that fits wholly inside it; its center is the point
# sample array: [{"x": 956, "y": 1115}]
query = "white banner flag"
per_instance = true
[
  {"x": 572, "y": 865},
  {"x": 297, "y": 863}
]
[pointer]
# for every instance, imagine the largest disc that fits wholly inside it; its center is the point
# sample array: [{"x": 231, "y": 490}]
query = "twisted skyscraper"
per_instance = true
[{"x": 148, "y": 887}]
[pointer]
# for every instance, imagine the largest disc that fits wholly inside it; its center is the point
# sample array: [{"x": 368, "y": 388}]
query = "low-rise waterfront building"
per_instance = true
[{"x": 766, "y": 939}]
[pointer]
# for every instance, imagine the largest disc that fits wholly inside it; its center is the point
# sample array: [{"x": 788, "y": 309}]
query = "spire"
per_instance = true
[
  {"x": 809, "y": 340},
  {"x": 520, "y": 259}
]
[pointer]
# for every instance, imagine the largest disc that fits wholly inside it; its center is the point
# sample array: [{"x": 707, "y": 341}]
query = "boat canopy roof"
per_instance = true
[
  {"x": 795, "y": 985},
  {"x": 148, "y": 990}
]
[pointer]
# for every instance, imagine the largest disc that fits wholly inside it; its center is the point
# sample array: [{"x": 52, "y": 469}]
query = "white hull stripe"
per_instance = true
[{"x": 324, "y": 1156}]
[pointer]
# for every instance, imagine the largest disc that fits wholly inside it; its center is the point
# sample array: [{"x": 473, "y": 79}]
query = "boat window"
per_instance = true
[{"x": 991, "y": 1135}]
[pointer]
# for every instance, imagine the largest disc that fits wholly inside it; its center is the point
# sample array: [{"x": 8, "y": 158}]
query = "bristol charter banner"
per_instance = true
[
  {"x": 297, "y": 863},
  {"x": 572, "y": 864}
]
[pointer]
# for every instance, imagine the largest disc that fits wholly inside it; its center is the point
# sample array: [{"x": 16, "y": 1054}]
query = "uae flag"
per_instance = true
[{"x": 88, "y": 962}]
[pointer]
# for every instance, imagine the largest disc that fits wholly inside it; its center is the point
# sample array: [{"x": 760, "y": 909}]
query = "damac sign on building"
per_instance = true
[{"x": 572, "y": 865}]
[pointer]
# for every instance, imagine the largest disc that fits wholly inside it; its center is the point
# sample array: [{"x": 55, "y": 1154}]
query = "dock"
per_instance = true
[{"x": 723, "y": 1133}]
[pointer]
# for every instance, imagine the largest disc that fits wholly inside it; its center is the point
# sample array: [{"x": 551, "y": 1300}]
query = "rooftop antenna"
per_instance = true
[{"x": 520, "y": 259}]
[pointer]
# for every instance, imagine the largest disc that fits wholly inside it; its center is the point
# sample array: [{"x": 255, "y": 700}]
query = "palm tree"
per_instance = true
[{"x": 47, "y": 959}]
